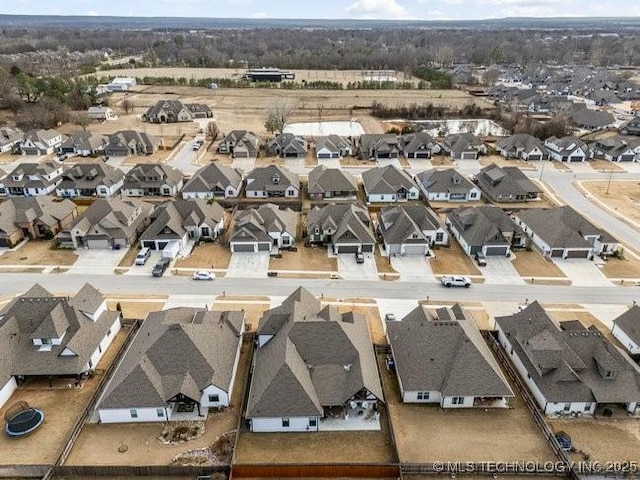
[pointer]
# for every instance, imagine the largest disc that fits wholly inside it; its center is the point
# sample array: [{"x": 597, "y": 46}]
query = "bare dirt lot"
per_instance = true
[
  {"x": 453, "y": 260},
  {"x": 38, "y": 252},
  {"x": 627, "y": 267},
  {"x": 605, "y": 166},
  {"x": 98, "y": 443},
  {"x": 533, "y": 264},
  {"x": 135, "y": 309},
  {"x": 623, "y": 197},
  {"x": 207, "y": 255},
  {"x": 507, "y": 162},
  {"x": 463, "y": 434},
  {"x": 62, "y": 407},
  {"x": 306, "y": 258}
]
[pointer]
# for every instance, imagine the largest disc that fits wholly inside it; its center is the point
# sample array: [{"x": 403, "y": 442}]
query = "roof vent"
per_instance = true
[{"x": 347, "y": 368}]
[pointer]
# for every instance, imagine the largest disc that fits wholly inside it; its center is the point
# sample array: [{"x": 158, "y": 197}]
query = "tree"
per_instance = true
[
  {"x": 278, "y": 115},
  {"x": 271, "y": 124},
  {"x": 127, "y": 105},
  {"x": 212, "y": 130},
  {"x": 81, "y": 119},
  {"x": 491, "y": 76}
]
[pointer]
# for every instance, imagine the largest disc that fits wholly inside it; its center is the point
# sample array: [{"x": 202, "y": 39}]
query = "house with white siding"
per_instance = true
[
  {"x": 41, "y": 142},
  {"x": 446, "y": 185},
  {"x": 410, "y": 230},
  {"x": 343, "y": 227},
  {"x": 213, "y": 181},
  {"x": 181, "y": 363},
  {"x": 272, "y": 181},
  {"x": 43, "y": 335},
  {"x": 32, "y": 179},
  {"x": 95, "y": 179},
  {"x": 626, "y": 328},
  {"x": 568, "y": 149},
  {"x": 314, "y": 370},
  {"x": 389, "y": 184},
  {"x": 443, "y": 359},
  {"x": 262, "y": 228},
  {"x": 153, "y": 180},
  {"x": 571, "y": 371}
]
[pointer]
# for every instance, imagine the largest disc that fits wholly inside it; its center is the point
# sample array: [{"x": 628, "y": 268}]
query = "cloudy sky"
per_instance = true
[{"x": 365, "y": 9}]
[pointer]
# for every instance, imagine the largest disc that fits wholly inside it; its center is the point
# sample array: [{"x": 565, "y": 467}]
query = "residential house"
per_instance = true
[
  {"x": 33, "y": 217},
  {"x": 152, "y": 179},
  {"x": 506, "y": 184},
  {"x": 183, "y": 220},
  {"x": 121, "y": 84},
  {"x": 522, "y": 146},
  {"x": 272, "y": 181},
  {"x": 445, "y": 361},
  {"x": 96, "y": 179},
  {"x": 130, "y": 142},
  {"x": 574, "y": 371},
  {"x": 463, "y": 146},
  {"x": 561, "y": 232},
  {"x": 631, "y": 127},
  {"x": 199, "y": 110},
  {"x": 343, "y": 227},
  {"x": 181, "y": 363},
  {"x": 485, "y": 229},
  {"x": 47, "y": 336},
  {"x": 261, "y": 228},
  {"x": 618, "y": 149},
  {"x": 568, "y": 149},
  {"x": 410, "y": 230},
  {"x": 331, "y": 183},
  {"x": 446, "y": 185},
  {"x": 9, "y": 138},
  {"x": 374, "y": 146},
  {"x": 213, "y": 181},
  {"x": 107, "y": 223},
  {"x": 240, "y": 144},
  {"x": 32, "y": 179},
  {"x": 626, "y": 329},
  {"x": 101, "y": 113},
  {"x": 419, "y": 145},
  {"x": 314, "y": 369},
  {"x": 167, "y": 111},
  {"x": 389, "y": 184},
  {"x": 84, "y": 144},
  {"x": 332, "y": 146},
  {"x": 40, "y": 142},
  {"x": 287, "y": 145},
  {"x": 592, "y": 119}
]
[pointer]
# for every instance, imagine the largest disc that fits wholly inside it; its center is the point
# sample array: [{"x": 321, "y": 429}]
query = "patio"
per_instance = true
[{"x": 353, "y": 416}]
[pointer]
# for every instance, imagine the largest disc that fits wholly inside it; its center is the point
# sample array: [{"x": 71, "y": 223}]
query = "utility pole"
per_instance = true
[
  {"x": 609, "y": 183},
  {"x": 542, "y": 170}
]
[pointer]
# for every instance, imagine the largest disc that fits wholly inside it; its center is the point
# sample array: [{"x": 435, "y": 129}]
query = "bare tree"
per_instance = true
[
  {"x": 81, "y": 119},
  {"x": 127, "y": 105},
  {"x": 320, "y": 112},
  {"x": 212, "y": 131},
  {"x": 278, "y": 115},
  {"x": 491, "y": 76}
]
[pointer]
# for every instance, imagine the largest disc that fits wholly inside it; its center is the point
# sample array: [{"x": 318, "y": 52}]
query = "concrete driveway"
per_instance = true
[
  {"x": 350, "y": 270},
  {"x": 244, "y": 164},
  {"x": 330, "y": 162},
  {"x": 97, "y": 262},
  {"x": 413, "y": 268},
  {"x": 185, "y": 157},
  {"x": 146, "y": 269},
  {"x": 500, "y": 270},
  {"x": 248, "y": 265},
  {"x": 583, "y": 272}
]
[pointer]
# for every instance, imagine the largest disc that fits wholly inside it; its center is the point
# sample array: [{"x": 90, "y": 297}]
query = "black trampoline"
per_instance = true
[{"x": 22, "y": 420}]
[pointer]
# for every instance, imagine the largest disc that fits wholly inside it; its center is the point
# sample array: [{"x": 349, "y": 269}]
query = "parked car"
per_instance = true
[
  {"x": 204, "y": 275},
  {"x": 161, "y": 267},
  {"x": 455, "y": 281},
  {"x": 481, "y": 260},
  {"x": 359, "y": 257},
  {"x": 143, "y": 256},
  {"x": 62, "y": 157}
]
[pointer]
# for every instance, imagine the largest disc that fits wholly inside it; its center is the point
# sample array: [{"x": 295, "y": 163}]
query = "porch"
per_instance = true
[
  {"x": 361, "y": 415},
  {"x": 490, "y": 402}
]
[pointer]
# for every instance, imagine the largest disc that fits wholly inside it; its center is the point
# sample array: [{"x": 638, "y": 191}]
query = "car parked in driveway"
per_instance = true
[
  {"x": 455, "y": 281},
  {"x": 204, "y": 275},
  {"x": 481, "y": 260},
  {"x": 161, "y": 267},
  {"x": 359, "y": 257}
]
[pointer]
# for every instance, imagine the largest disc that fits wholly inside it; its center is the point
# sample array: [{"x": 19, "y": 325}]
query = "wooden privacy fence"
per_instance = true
[
  {"x": 153, "y": 471},
  {"x": 343, "y": 470}
]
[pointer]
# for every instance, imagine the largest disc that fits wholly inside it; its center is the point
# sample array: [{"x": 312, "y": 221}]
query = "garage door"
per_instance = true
[
  {"x": 264, "y": 247},
  {"x": 627, "y": 158},
  {"x": 98, "y": 244},
  {"x": 149, "y": 244},
  {"x": 415, "y": 249},
  {"x": 469, "y": 156},
  {"x": 556, "y": 253},
  {"x": 421, "y": 155},
  {"x": 367, "y": 248},
  {"x": 324, "y": 155},
  {"x": 346, "y": 248},
  {"x": 243, "y": 247},
  {"x": 161, "y": 245},
  {"x": 579, "y": 158},
  {"x": 534, "y": 157},
  {"x": 496, "y": 251},
  {"x": 4, "y": 242},
  {"x": 241, "y": 154},
  {"x": 578, "y": 254}
]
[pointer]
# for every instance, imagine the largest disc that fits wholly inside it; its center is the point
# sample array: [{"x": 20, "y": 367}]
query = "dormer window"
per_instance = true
[
  {"x": 276, "y": 179},
  {"x": 456, "y": 180}
]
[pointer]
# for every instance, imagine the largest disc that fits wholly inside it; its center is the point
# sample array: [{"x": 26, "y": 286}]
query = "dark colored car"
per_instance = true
[
  {"x": 359, "y": 258},
  {"x": 161, "y": 267}
]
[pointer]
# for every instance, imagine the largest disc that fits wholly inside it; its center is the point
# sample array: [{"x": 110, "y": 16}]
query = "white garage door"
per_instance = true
[
  {"x": 98, "y": 243},
  {"x": 415, "y": 249}
]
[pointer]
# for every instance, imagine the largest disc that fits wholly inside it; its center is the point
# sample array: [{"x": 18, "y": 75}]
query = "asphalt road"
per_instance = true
[{"x": 122, "y": 284}]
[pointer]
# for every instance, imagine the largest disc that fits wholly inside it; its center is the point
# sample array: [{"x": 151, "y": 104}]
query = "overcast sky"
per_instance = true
[{"x": 366, "y": 9}]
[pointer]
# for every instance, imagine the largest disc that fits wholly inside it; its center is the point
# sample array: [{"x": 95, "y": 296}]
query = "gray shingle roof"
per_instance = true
[
  {"x": 447, "y": 354},
  {"x": 89, "y": 175},
  {"x": 386, "y": 180},
  {"x": 629, "y": 323},
  {"x": 447, "y": 180},
  {"x": 46, "y": 210},
  {"x": 498, "y": 181},
  {"x": 85, "y": 140},
  {"x": 417, "y": 141},
  {"x": 482, "y": 225},
  {"x": 570, "y": 366},
  {"x": 333, "y": 143},
  {"x": 318, "y": 358},
  {"x": 462, "y": 142},
  {"x": 255, "y": 224},
  {"x": 350, "y": 222},
  {"x": 152, "y": 175},
  {"x": 262, "y": 179},
  {"x": 171, "y": 219},
  {"x": 180, "y": 350},
  {"x": 520, "y": 142},
  {"x": 398, "y": 224},
  {"x": 592, "y": 119},
  {"x": 243, "y": 140},
  {"x": 32, "y": 175},
  {"x": 287, "y": 143},
  {"x": 323, "y": 179},
  {"x": 213, "y": 176}
]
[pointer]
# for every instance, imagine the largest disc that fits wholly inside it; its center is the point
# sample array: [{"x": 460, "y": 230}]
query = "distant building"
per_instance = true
[
  {"x": 101, "y": 113},
  {"x": 121, "y": 84},
  {"x": 268, "y": 75}
]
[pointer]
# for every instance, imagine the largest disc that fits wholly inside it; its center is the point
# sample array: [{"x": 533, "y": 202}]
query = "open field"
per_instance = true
[
  {"x": 306, "y": 258},
  {"x": 504, "y": 162},
  {"x": 206, "y": 255},
  {"x": 62, "y": 407},
  {"x": 38, "y": 252},
  {"x": 623, "y": 197},
  {"x": 98, "y": 443},
  {"x": 466, "y": 434},
  {"x": 533, "y": 264},
  {"x": 628, "y": 267},
  {"x": 452, "y": 260}
]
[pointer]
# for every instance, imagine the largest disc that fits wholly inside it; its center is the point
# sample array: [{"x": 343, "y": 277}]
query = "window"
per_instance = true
[
  {"x": 313, "y": 422},
  {"x": 214, "y": 398},
  {"x": 90, "y": 363},
  {"x": 134, "y": 413},
  {"x": 423, "y": 395},
  {"x": 46, "y": 341},
  {"x": 160, "y": 412},
  {"x": 285, "y": 422},
  {"x": 109, "y": 333},
  {"x": 439, "y": 236},
  {"x": 587, "y": 407},
  {"x": 457, "y": 400},
  {"x": 567, "y": 407}
]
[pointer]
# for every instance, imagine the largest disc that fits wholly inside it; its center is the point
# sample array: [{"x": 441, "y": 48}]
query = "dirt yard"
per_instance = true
[
  {"x": 463, "y": 434},
  {"x": 603, "y": 440},
  {"x": 533, "y": 264},
  {"x": 383, "y": 264},
  {"x": 62, "y": 407},
  {"x": 441, "y": 161},
  {"x": 605, "y": 166},
  {"x": 130, "y": 257},
  {"x": 623, "y": 197},
  {"x": 560, "y": 166},
  {"x": 98, "y": 443},
  {"x": 135, "y": 309},
  {"x": 38, "y": 252},
  {"x": 207, "y": 255},
  {"x": 628, "y": 267},
  {"x": 306, "y": 259},
  {"x": 507, "y": 162},
  {"x": 253, "y": 310},
  {"x": 453, "y": 260}
]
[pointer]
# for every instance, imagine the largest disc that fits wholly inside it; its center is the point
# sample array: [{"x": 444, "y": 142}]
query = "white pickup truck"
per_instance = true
[{"x": 455, "y": 281}]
